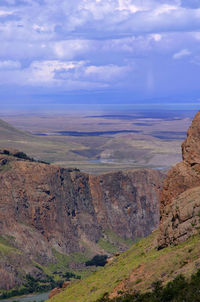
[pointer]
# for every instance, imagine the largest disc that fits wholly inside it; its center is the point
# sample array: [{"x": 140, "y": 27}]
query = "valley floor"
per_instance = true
[{"x": 99, "y": 143}]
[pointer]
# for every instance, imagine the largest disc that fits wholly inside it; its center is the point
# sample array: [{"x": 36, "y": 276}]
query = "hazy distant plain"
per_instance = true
[{"x": 97, "y": 144}]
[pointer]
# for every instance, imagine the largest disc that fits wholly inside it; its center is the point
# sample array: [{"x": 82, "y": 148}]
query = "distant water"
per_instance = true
[
  {"x": 155, "y": 114},
  {"x": 32, "y": 298},
  {"x": 96, "y": 133},
  {"x": 169, "y": 135}
]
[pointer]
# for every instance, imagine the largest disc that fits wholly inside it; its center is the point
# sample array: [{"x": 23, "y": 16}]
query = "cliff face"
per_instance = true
[
  {"x": 127, "y": 202},
  {"x": 180, "y": 206},
  {"x": 45, "y": 208}
]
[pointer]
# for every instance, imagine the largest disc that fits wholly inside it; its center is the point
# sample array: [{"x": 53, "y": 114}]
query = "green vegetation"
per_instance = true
[
  {"x": 63, "y": 261},
  {"x": 107, "y": 246},
  {"x": 5, "y": 166},
  {"x": 53, "y": 276},
  {"x": 178, "y": 290},
  {"x": 21, "y": 155},
  {"x": 32, "y": 285},
  {"x": 6, "y": 246},
  {"x": 114, "y": 237},
  {"x": 98, "y": 260},
  {"x": 111, "y": 242},
  {"x": 60, "y": 271},
  {"x": 7, "y": 240},
  {"x": 138, "y": 263}
]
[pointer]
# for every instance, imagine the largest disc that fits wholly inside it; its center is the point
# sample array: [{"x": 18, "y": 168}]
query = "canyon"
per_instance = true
[
  {"x": 48, "y": 213},
  {"x": 171, "y": 250}
]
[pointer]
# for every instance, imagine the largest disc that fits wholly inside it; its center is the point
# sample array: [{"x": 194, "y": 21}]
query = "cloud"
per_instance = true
[
  {"x": 44, "y": 72},
  {"x": 9, "y": 65},
  {"x": 67, "y": 75},
  {"x": 74, "y": 74},
  {"x": 156, "y": 37},
  {"x": 89, "y": 18},
  {"x": 182, "y": 53},
  {"x": 163, "y": 9},
  {"x": 126, "y": 5},
  {"x": 87, "y": 44},
  {"x": 5, "y": 13},
  {"x": 71, "y": 48},
  {"x": 109, "y": 73}
]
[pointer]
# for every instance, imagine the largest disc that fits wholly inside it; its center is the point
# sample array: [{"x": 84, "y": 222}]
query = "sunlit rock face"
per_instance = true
[{"x": 180, "y": 206}]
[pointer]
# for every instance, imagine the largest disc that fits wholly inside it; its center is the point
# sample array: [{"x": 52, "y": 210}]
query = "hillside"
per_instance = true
[
  {"x": 136, "y": 269},
  {"x": 8, "y": 132},
  {"x": 168, "y": 252},
  {"x": 39, "y": 147},
  {"x": 53, "y": 219}
]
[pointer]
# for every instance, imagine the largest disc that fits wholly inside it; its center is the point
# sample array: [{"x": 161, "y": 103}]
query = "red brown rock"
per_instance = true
[
  {"x": 191, "y": 146},
  {"x": 179, "y": 197},
  {"x": 45, "y": 208},
  {"x": 57, "y": 290},
  {"x": 54, "y": 292}
]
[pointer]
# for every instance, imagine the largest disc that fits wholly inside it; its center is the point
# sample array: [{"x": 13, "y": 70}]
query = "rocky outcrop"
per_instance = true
[
  {"x": 179, "y": 197},
  {"x": 44, "y": 208},
  {"x": 182, "y": 218},
  {"x": 57, "y": 290},
  {"x": 191, "y": 146}
]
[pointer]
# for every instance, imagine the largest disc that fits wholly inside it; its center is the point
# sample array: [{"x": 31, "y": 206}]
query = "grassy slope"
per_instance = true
[
  {"x": 6, "y": 248},
  {"x": 39, "y": 147},
  {"x": 137, "y": 267}
]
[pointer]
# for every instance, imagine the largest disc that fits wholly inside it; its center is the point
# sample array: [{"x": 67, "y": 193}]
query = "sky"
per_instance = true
[{"x": 98, "y": 52}]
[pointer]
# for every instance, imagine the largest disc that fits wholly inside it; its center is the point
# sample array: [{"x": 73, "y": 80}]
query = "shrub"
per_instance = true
[
  {"x": 21, "y": 155},
  {"x": 6, "y": 152},
  {"x": 98, "y": 260}
]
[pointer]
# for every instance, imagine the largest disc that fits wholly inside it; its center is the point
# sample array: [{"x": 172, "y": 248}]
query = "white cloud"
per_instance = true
[
  {"x": 107, "y": 73},
  {"x": 4, "y": 13},
  {"x": 67, "y": 75},
  {"x": 70, "y": 48},
  {"x": 128, "y": 5},
  {"x": 182, "y": 53},
  {"x": 163, "y": 9},
  {"x": 39, "y": 28},
  {"x": 9, "y": 65},
  {"x": 156, "y": 37},
  {"x": 87, "y": 43},
  {"x": 44, "y": 72}
]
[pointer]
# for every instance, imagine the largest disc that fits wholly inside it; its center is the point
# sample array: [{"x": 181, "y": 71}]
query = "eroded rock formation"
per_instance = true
[{"x": 45, "y": 208}]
